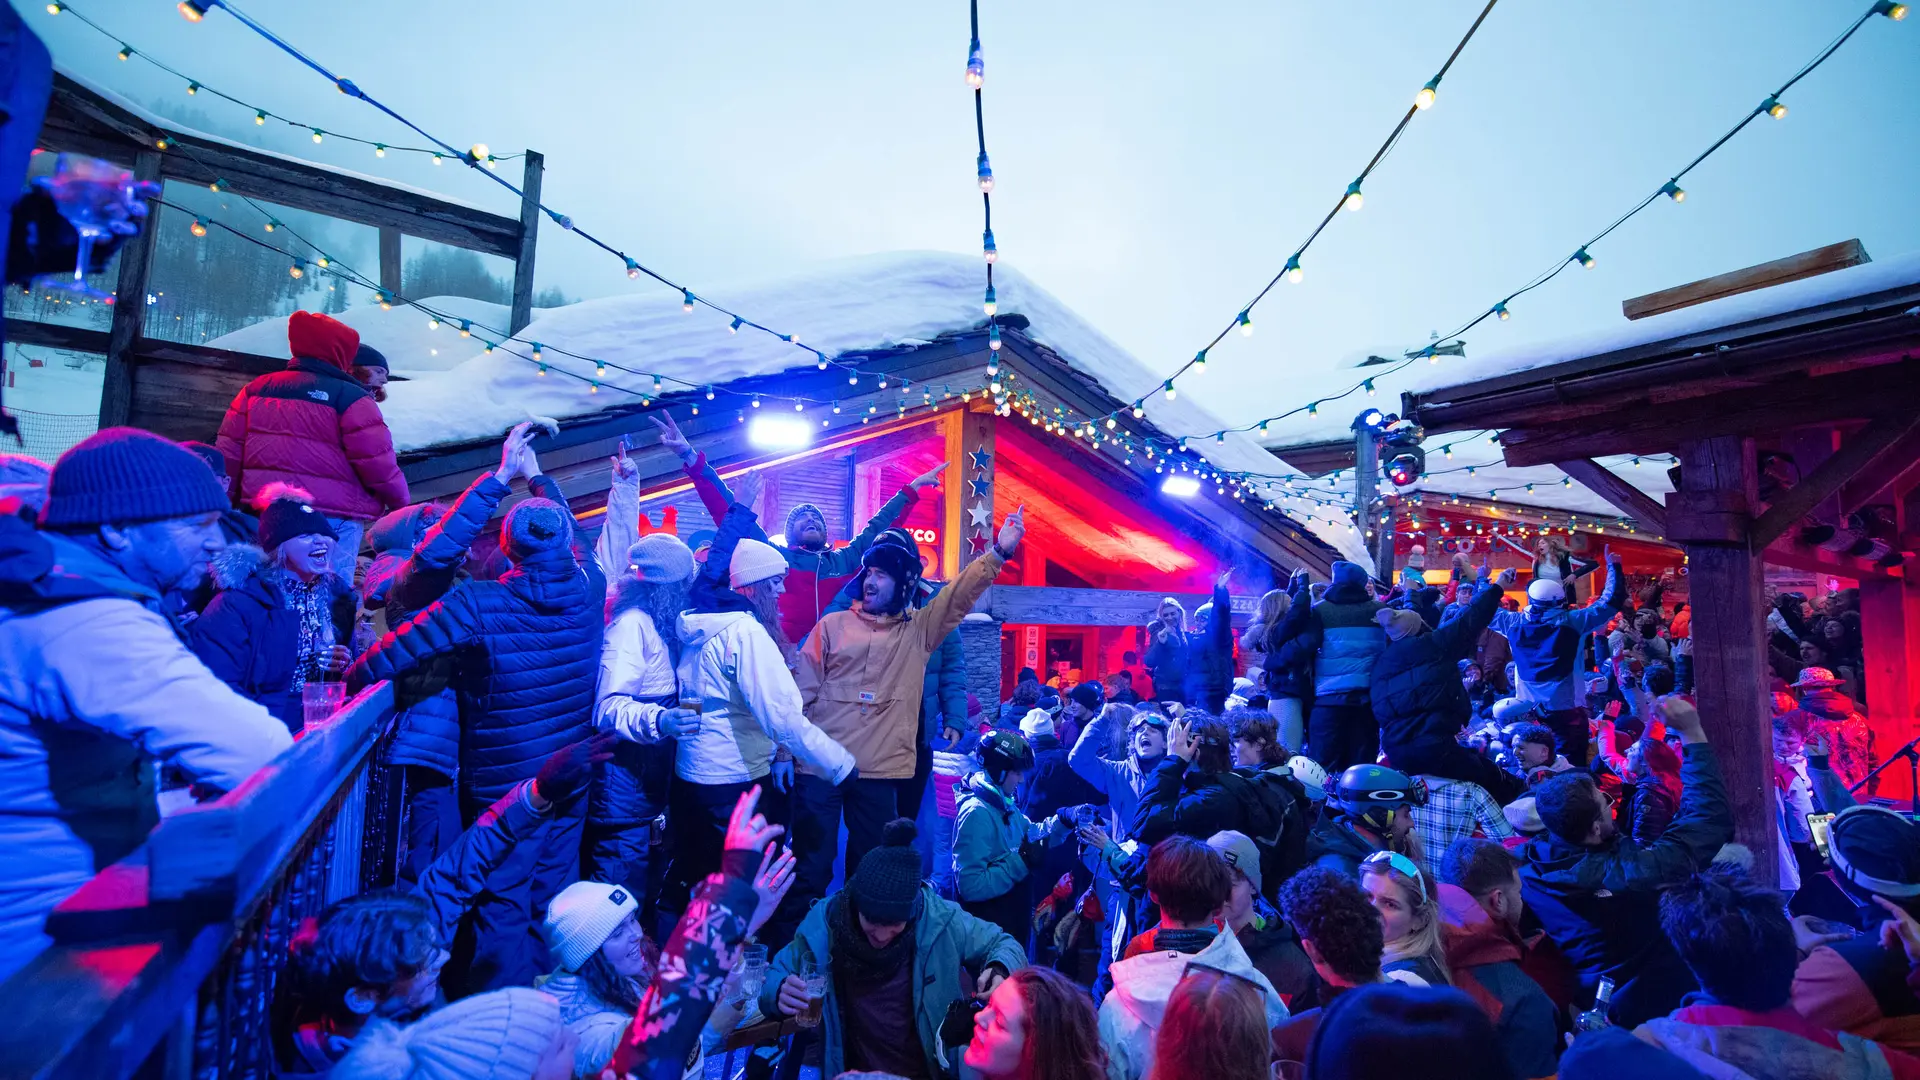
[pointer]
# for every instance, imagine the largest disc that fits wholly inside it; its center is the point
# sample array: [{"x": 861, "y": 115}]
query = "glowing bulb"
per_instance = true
[
  {"x": 756, "y": 401},
  {"x": 593, "y": 388},
  {"x": 271, "y": 225},
  {"x": 536, "y": 350},
  {"x": 657, "y": 386},
  {"x": 709, "y": 393},
  {"x": 386, "y": 302},
  {"x": 1424, "y": 99},
  {"x": 1674, "y": 191},
  {"x": 987, "y": 250},
  {"x": 126, "y": 52},
  {"x": 734, "y": 326},
  {"x": 1245, "y": 322},
  {"x": 160, "y": 144},
  {"x": 295, "y": 271},
  {"x": 600, "y": 367},
  {"x": 984, "y": 172},
  {"x": 438, "y": 160},
  {"x": 1354, "y": 198},
  {"x": 1773, "y": 107},
  {"x": 433, "y": 322},
  {"x": 479, "y": 152},
  {"x": 198, "y": 228},
  {"x": 992, "y": 304},
  {"x": 993, "y": 338},
  {"x": 317, "y": 134},
  {"x": 1585, "y": 260},
  {"x": 54, "y": 9},
  {"x": 193, "y": 88},
  {"x": 1891, "y": 10},
  {"x": 1172, "y": 394},
  {"x": 686, "y": 301},
  {"x": 379, "y": 150},
  {"x": 542, "y": 371},
  {"x": 466, "y": 328},
  {"x": 1501, "y": 310},
  {"x": 215, "y": 186},
  {"x": 1139, "y": 410},
  {"x": 324, "y": 263},
  {"x": 976, "y": 67},
  {"x": 1369, "y": 386},
  {"x": 1293, "y": 271},
  {"x": 260, "y": 118},
  {"x": 191, "y": 10},
  {"x": 822, "y": 364}
]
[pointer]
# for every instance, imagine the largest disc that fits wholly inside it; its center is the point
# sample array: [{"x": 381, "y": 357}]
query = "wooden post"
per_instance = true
[
  {"x": 971, "y": 508},
  {"x": 129, "y": 306},
  {"x": 390, "y": 261},
  {"x": 529, "y": 233},
  {"x": 1710, "y": 514}
]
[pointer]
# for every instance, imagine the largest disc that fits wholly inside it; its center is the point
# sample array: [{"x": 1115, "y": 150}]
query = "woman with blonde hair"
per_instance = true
[
  {"x": 1284, "y": 660},
  {"x": 1409, "y": 910}
]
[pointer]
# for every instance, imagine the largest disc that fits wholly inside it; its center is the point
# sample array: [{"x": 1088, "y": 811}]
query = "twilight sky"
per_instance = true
[{"x": 1155, "y": 163}]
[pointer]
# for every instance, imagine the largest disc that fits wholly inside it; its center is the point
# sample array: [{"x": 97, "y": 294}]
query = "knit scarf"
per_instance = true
[
  {"x": 312, "y": 603},
  {"x": 854, "y": 955}
]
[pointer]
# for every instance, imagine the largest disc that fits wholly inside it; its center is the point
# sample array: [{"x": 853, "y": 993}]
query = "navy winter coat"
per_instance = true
[
  {"x": 420, "y": 552},
  {"x": 250, "y": 638},
  {"x": 526, "y": 652},
  {"x": 1052, "y": 784},
  {"x": 1344, "y": 637},
  {"x": 1417, "y": 695},
  {"x": 1210, "y": 658},
  {"x": 1546, "y": 642}
]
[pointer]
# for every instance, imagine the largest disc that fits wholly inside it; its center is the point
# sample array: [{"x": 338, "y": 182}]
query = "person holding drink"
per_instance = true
[{"x": 879, "y": 964}]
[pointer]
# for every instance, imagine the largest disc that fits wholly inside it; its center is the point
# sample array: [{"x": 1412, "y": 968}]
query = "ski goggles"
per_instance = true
[{"x": 1396, "y": 861}]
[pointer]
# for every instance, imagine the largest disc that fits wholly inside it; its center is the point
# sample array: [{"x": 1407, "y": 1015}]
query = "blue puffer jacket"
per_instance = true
[
  {"x": 526, "y": 650},
  {"x": 250, "y": 637},
  {"x": 1344, "y": 636},
  {"x": 419, "y": 552}
]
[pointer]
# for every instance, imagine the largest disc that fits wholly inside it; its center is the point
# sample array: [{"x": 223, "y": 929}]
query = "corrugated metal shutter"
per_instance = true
[{"x": 824, "y": 481}]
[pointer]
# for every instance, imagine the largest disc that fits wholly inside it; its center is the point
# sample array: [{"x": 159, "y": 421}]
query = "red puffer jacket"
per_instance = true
[{"x": 315, "y": 426}]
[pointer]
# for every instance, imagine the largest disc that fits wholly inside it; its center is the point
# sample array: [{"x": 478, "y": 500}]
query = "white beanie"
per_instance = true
[
  {"x": 754, "y": 561},
  {"x": 581, "y": 919},
  {"x": 502, "y": 1035},
  {"x": 1037, "y": 722}
]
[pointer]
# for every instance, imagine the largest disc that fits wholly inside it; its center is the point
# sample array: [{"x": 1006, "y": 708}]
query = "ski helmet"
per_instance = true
[
  {"x": 1546, "y": 592},
  {"x": 1311, "y": 776},
  {"x": 1366, "y": 788},
  {"x": 1002, "y": 752}
]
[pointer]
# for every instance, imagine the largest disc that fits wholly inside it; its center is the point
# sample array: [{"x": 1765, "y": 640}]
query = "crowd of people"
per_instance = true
[{"x": 660, "y": 792}]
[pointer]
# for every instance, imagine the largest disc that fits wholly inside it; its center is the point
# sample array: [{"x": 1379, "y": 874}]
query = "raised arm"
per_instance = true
[
  {"x": 1456, "y": 639},
  {"x": 620, "y": 526},
  {"x": 1085, "y": 757},
  {"x": 1704, "y": 822},
  {"x": 943, "y": 614},
  {"x": 445, "y": 626},
  {"x": 426, "y": 574},
  {"x": 707, "y": 484},
  {"x": 1612, "y": 601}
]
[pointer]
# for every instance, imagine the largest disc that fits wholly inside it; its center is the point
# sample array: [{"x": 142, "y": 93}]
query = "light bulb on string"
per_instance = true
[
  {"x": 1500, "y": 309},
  {"x": 260, "y": 118},
  {"x": 633, "y": 268},
  {"x": 1890, "y": 9},
  {"x": 1139, "y": 410},
  {"x": 1585, "y": 260},
  {"x": 379, "y": 150},
  {"x": 1369, "y": 386},
  {"x": 976, "y": 66},
  {"x": 1673, "y": 191},
  {"x": 1171, "y": 392},
  {"x": 318, "y": 135},
  {"x": 437, "y": 159},
  {"x": 297, "y": 270},
  {"x": 1245, "y": 322},
  {"x": 686, "y": 301},
  {"x": 323, "y": 262},
  {"x": 190, "y": 10},
  {"x": 1773, "y": 107},
  {"x": 984, "y": 172},
  {"x": 193, "y": 88},
  {"x": 386, "y": 301},
  {"x": 126, "y": 52},
  {"x": 987, "y": 249},
  {"x": 1424, "y": 99},
  {"x": 991, "y": 305},
  {"x": 600, "y": 368},
  {"x": 1200, "y": 362},
  {"x": 198, "y": 228},
  {"x": 1293, "y": 271},
  {"x": 593, "y": 388},
  {"x": 657, "y": 386},
  {"x": 478, "y": 153},
  {"x": 1354, "y": 199},
  {"x": 756, "y": 401},
  {"x": 433, "y": 322},
  {"x": 993, "y": 336}
]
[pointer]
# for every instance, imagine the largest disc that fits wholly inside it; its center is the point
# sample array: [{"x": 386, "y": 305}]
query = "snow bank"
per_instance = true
[{"x": 869, "y": 302}]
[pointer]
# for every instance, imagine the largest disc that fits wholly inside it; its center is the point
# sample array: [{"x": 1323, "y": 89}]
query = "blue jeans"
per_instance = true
[{"x": 347, "y": 550}]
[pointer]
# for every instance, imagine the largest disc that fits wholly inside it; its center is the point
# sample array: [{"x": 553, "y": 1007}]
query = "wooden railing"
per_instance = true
[{"x": 164, "y": 965}]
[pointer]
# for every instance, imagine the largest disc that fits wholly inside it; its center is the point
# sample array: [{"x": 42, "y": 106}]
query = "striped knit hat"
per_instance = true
[{"x": 124, "y": 476}]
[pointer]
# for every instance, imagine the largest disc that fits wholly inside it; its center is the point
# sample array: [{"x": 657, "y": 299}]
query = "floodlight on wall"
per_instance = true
[
  {"x": 779, "y": 433},
  {"x": 1180, "y": 485}
]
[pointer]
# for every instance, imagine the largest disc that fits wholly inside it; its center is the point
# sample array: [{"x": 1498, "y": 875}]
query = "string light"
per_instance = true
[
  {"x": 984, "y": 171},
  {"x": 126, "y": 52},
  {"x": 193, "y": 88},
  {"x": 297, "y": 270},
  {"x": 1585, "y": 260},
  {"x": 987, "y": 249},
  {"x": 198, "y": 228},
  {"x": 991, "y": 305},
  {"x": 1353, "y": 199},
  {"x": 260, "y": 118},
  {"x": 1500, "y": 309},
  {"x": 192, "y": 10},
  {"x": 1200, "y": 362},
  {"x": 1424, "y": 99},
  {"x": 1673, "y": 191},
  {"x": 734, "y": 326},
  {"x": 686, "y": 301},
  {"x": 1171, "y": 392},
  {"x": 976, "y": 66},
  {"x": 1245, "y": 322},
  {"x": 1293, "y": 271},
  {"x": 1773, "y": 107},
  {"x": 318, "y": 135}
]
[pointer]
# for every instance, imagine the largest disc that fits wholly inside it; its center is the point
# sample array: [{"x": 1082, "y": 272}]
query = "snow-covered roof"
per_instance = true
[
  {"x": 148, "y": 116},
  {"x": 1726, "y": 313},
  {"x": 456, "y": 392}
]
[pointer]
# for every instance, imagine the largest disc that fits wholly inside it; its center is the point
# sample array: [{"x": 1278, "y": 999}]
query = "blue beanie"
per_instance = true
[
  {"x": 124, "y": 476},
  {"x": 1615, "y": 1052},
  {"x": 804, "y": 508},
  {"x": 1351, "y": 575},
  {"x": 1372, "y": 1032},
  {"x": 661, "y": 558},
  {"x": 535, "y": 526}
]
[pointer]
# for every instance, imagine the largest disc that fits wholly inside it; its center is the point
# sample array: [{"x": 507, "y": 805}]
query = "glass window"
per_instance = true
[
  {"x": 205, "y": 287},
  {"x": 54, "y": 394}
]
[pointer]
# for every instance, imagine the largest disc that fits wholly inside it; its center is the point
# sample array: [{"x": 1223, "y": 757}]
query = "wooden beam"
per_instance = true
[
  {"x": 1729, "y": 651},
  {"x": 130, "y": 307},
  {"x": 1826, "y": 479},
  {"x": 1803, "y": 401},
  {"x": 530, "y": 180},
  {"x": 56, "y": 336},
  {"x": 1890, "y": 476},
  {"x": 390, "y": 261},
  {"x": 79, "y": 119},
  {"x": 1778, "y": 272},
  {"x": 1316, "y": 459},
  {"x": 1620, "y": 495},
  {"x": 1815, "y": 560}
]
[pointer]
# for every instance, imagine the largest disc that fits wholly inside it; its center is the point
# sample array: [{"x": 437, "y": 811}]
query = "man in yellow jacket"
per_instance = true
[{"x": 861, "y": 674}]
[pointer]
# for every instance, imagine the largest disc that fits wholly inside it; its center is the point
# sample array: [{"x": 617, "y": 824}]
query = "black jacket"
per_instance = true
[
  {"x": 1417, "y": 694},
  {"x": 1185, "y": 801},
  {"x": 1602, "y": 905},
  {"x": 1052, "y": 785}
]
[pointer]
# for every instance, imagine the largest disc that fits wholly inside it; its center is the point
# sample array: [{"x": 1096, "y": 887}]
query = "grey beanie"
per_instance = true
[
  {"x": 661, "y": 558},
  {"x": 535, "y": 526}
]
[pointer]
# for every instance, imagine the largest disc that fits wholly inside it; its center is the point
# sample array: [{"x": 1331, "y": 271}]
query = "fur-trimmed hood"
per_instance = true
[{"x": 244, "y": 566}]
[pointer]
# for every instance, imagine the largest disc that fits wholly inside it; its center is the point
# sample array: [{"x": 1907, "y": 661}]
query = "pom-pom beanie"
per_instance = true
[{"x": 886, "y": 886}]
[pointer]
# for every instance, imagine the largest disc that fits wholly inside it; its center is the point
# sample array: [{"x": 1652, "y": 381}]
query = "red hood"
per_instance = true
[
  {"x": 323, "y": 338},
  {"x": 1472, "y": 937}
]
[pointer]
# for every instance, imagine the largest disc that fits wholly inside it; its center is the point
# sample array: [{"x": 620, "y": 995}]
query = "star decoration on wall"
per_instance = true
[
  {"x": 979, "y": 516},
  {"x": 981, "y": 487},
  {"x": 976, "y": 545},
  {"x": 982, "y": 459}
]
